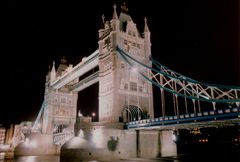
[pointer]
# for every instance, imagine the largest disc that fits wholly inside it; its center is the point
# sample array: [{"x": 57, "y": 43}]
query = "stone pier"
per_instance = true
[
  {"x": 109, "y": 141},
  {"x": 37, "y": 144}
]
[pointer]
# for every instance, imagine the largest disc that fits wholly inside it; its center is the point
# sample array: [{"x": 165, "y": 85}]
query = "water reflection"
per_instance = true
[
  {"x": 57, "y": 159},
  {"x": 34, "y": 159}
]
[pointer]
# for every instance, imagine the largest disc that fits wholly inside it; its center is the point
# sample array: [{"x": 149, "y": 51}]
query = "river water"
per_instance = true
[
  {"x": 34, "y": 159},
  {"x": 57, "y": 159},
  {"x": 195, "y": 153},
  {"x": 189, "y": 159}
]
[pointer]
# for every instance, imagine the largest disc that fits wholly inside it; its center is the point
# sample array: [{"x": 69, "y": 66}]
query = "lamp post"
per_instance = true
[{"x": 93, "y": 115}]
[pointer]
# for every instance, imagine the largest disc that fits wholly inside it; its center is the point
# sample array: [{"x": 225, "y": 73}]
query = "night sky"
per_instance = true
[{"x": 199, "y": 39}]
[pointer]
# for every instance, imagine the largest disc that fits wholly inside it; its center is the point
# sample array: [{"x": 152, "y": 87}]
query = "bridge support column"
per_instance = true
[
  {"x": 168, "y": 145},
  {"x": 147, "y": 143}
]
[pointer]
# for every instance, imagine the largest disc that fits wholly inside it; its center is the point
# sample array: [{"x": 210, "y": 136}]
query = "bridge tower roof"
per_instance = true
[
  {"x": 62, "y": 67},
  {"x": 146, "y": 29},
  {"x": 115, "y": 16}
]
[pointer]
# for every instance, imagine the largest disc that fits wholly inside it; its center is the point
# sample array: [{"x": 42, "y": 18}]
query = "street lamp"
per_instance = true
[{"x": 93, "y": 115}]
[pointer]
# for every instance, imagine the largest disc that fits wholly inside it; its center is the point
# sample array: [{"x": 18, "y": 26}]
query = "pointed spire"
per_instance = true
[
  {"x": 53, "y": 68},
  {"x": 103, "y": 19},
  {"x": 115, "y": 17},
  {"x": 53, "y": 73},
  {"x": 146, "y": 26},
  {"x": 103, "y": 22}
]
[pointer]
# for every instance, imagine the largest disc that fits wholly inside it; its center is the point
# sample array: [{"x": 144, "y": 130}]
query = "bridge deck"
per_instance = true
[{"x": 205, "y": 119}]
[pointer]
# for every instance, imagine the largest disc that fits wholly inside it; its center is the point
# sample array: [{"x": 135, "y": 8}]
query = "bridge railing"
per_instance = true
[
  {"x": 61, "y": 138},
  {"x": 221, "y": 114}
]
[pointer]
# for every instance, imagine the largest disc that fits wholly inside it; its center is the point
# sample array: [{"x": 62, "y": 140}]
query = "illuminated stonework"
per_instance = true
[
  {"x": 122, "y": 91},
  {"x": 2, "y": 135},
  {"x": 60, "y": 104}
]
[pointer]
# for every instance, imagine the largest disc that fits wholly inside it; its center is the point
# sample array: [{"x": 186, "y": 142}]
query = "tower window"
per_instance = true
[
  {"x": 55, "y": 99},
  {"x": 124, "y": 26},
  {"x": 140, "y": 88},
  {"x": 125, "y": 86},
  {"x": 133, "y": 86},
  {"x": 63, "y": 100}
]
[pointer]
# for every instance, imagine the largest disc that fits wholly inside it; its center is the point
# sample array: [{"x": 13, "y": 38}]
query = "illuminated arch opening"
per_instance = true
[{"x": 132, "y": 113}]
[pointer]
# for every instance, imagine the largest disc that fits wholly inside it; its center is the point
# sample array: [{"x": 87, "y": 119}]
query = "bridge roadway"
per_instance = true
[{"x": 202, "y": 119}]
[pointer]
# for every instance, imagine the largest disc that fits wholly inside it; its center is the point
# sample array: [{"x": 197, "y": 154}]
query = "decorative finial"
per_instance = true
[
  {"x": 53, "y": 71},
  {"x": 146, "y": 26},
  {"x": 124, "y": 7},
  {"x": 103, "y": 19},
  {"x": 115, "y": 12},
  {"x": 63, "y": 60}
]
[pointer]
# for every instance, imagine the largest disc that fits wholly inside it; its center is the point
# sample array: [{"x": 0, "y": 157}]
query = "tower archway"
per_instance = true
[{"x": 132, "y": 113}]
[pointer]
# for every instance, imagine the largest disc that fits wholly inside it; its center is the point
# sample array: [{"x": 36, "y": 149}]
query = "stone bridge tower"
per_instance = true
[
  {"x": 123, "y": 94},
  {"x": 60, "y": 105}
]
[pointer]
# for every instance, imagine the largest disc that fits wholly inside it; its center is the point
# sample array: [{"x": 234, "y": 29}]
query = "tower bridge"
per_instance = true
[{"x": 126, "y": 73}]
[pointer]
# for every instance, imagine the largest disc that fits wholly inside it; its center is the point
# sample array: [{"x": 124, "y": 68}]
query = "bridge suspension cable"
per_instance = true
[
  {"x": 37, "y": 121},
  {"x": 180, "y": 85}
]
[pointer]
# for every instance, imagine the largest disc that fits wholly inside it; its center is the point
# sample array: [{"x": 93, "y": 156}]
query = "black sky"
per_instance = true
[{"x": 199, "y": 39}]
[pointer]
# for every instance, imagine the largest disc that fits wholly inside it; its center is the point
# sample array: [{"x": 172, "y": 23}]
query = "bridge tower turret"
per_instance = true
[
  {"x": 123, "y": 94},
  {"x": 53, "y": 73},
  {"x": 147, "y": 39},
  {"x": 60, "y": 105}
]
